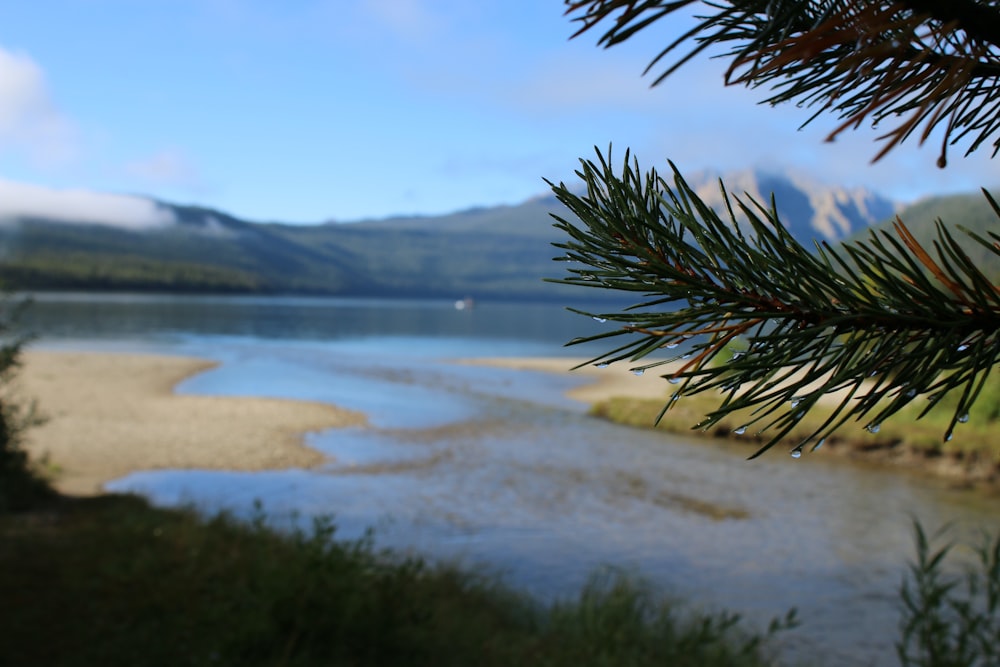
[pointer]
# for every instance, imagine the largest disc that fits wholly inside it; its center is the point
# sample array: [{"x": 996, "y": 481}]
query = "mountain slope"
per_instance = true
[
  {"x": 971, "y": 211},
  {"x": 495, "y": 252},
  {"x": 807, "y": 209}
]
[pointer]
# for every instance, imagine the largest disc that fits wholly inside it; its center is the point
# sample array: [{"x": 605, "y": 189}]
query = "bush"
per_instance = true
[
  {"x": 951, "y": 620},
  {"x": 21, "y": 485}
]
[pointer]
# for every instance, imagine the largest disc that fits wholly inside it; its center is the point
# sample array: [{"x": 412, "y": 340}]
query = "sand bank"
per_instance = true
[
  {"x": 600, "y": 383},
  {"x": 617, "y": 380},
  {"x": 112, "y": 414}
]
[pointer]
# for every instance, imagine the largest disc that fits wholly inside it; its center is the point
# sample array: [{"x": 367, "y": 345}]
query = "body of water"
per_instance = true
[{"x": 497, "y": 468}]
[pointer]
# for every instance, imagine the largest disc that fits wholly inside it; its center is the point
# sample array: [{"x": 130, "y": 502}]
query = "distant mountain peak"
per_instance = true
[{"x": 806, "y": 207}]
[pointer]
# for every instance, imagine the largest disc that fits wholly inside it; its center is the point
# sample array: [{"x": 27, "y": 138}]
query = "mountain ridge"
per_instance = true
[{"x": 499, "y": 252}]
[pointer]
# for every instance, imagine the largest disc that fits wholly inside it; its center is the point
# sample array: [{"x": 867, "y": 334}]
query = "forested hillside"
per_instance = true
[{"x": 490, "y": 252}]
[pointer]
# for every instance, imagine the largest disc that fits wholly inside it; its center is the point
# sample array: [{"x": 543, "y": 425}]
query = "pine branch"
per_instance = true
[
  {"x": 916, "y": 64},
  {"x": 881, "y": 322}
]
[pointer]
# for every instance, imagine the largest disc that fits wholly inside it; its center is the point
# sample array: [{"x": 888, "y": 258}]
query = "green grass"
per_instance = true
[
  {"x": 114, "y": 581},
  {"x": 975, "y": 439}
]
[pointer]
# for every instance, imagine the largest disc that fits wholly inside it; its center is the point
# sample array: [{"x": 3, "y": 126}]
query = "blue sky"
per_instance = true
[{"x": 312, "y": 110}]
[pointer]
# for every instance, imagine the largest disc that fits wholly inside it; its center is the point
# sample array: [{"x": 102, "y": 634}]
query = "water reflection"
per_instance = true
[{"x": 78, "y": 316}]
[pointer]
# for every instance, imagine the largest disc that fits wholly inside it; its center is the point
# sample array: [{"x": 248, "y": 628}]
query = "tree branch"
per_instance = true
[{"x": 881, "y": 321}]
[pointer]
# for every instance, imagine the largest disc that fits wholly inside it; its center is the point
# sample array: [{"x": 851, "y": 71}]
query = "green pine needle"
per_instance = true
[{"x": 880, "y": 320}]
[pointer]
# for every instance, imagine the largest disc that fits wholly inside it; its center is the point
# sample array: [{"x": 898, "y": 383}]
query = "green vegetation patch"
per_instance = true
[
  {"x": 114, "y": 581},
  {"x": 974, "y": 438}
]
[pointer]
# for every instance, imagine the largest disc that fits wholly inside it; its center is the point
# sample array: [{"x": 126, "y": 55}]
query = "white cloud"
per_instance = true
[
  {"x": 80, "y": 206},
  {"x": 30, "y": 122}
]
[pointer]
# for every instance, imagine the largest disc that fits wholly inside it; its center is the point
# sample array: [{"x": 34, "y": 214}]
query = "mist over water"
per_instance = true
[{"x": 497, "y": 468}]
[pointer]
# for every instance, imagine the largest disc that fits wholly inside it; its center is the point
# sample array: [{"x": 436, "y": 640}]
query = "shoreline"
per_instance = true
[
  {"x": 643, "y": 397},
  {"x": 602, "y": 383},
  {"x": 110, "y": 414}
]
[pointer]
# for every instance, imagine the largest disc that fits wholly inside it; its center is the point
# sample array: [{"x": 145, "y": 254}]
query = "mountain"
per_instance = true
[
  {"x": 809, "y": 210},
  {"x": 971, "y": 211},
  {"x": 490, "y": 252}
]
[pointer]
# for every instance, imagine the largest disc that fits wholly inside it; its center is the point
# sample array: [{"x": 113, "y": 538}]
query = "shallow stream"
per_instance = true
[{"x": 497, "y": 468}]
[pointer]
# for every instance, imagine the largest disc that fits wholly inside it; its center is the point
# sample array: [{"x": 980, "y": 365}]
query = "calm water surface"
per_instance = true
[{"x": 495, "y": 467}]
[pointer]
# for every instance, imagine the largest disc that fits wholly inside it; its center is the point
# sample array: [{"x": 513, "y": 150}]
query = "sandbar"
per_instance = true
[
  {"x": 107, "y": 415},
  {"x": 599, "y": 384},
  {"x": 619, "y": 381}
]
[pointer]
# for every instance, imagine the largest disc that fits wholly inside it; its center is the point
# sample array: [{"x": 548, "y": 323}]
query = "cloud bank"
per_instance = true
[
  {"x": 30, "y": 122},
  {"x": 21, "y": 200}
]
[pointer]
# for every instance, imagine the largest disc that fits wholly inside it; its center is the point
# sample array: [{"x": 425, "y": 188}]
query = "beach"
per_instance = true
[
  {"x": 107, "y": 415},
  {"x": 601, "y": 383}
]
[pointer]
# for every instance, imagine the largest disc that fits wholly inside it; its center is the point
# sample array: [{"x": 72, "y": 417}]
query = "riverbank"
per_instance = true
[
  {"x": 107, "y": 415},
  {"x": 112, "y": 580},
  {"x": 971, "y": 459},
  {"x": 167, "y": 586}
]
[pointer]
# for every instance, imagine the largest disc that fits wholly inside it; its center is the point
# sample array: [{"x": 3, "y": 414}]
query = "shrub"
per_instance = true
[
  {"x": 951, "y": 620},
  {"x": 21, "y": 485}
]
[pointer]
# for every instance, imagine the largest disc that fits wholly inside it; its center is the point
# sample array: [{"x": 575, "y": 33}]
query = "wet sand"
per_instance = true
[
  {"x": 617, "y": 380},
  {"x": 601, "y": 383},
  {"x": 111, "y": 414},
  {"x": 107, "y": 415}
]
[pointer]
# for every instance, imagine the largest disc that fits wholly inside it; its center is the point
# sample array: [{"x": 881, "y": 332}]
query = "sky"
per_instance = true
[{"x": 309, "y": 111}]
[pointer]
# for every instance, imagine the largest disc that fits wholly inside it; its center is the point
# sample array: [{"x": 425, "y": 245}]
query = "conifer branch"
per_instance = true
[
  {"x": 912, "y": 63},
  {"x": 880, "y": 322}
]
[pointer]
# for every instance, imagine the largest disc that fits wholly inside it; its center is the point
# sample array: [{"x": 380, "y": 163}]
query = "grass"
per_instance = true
[
  {"x": 113, "y": 581},
  {"x": 974, "y": 440}
]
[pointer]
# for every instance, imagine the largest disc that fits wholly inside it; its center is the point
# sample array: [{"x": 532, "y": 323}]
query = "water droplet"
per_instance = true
[
  {"x": 600, "y": 319},
  {"x": 962, "y": 348},
  {"x": 587, "y": 276},
  {"x": 638, "y": 371},
  {"x": 741, "y": 430},
  {"x": 671, "y": 345},
  {"x": 603, "y": 364},
  {"x": 819, "y": 444},
  {"x": 948, "y": 436},
  {"x": 873, "y": 428},
  {"x": 797, "y": 452},
  {"x": 962, "y": 419},
  {"x": 688, "y": 355},
  {"x": 674, "y": 396},
  {"x": 910, "y": 393},
  {"x": 673, "y": 380},
  {"x": 795, "y": 401},
  {"x": 737, "y": 356}
]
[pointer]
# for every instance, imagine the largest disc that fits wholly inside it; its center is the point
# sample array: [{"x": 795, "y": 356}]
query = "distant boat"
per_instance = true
[{"x": 465, "y": 304}]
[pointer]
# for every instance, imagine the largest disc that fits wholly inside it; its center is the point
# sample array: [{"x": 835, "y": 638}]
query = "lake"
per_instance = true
[{"x": 497, "y": 468}]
